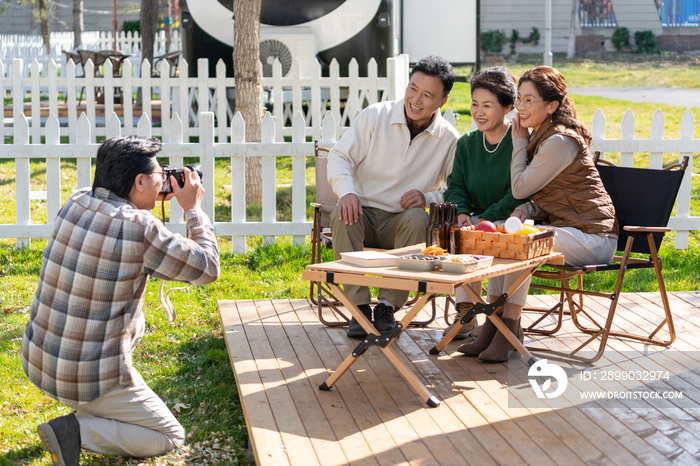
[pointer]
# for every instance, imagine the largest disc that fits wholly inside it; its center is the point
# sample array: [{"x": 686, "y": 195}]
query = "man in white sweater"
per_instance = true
[{"x": 385, "y": 170}]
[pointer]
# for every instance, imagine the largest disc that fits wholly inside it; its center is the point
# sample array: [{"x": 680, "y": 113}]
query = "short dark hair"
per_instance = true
[
  {"x": 498, "y": 81},
  {"x": 120, "y": 160},
  {"x": 439, "y": 67}
]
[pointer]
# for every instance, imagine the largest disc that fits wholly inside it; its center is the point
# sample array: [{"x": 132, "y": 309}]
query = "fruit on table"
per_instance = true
[{"x": 486, "y": 226}]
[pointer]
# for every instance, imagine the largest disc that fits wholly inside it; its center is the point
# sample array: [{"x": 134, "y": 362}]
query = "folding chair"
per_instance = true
[
  {"x": 326, "y": 200},
  {"x": 643, "y": 200}
]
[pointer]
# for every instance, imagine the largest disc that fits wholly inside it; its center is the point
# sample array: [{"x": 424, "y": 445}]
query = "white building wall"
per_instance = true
[{"x": 97, "y": 16}]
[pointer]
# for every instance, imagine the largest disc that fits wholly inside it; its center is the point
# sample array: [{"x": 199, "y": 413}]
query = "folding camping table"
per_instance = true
[{"x": 428, "y": 284}]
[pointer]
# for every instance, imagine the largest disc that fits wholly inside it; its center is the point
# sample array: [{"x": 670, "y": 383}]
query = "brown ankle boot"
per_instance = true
[
  {"x": 500, "y": 346},
  {"x": 488, "y": 330}
]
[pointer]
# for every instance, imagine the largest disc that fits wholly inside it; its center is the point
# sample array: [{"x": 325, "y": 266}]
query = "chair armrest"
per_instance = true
[
  {"x": 645, "y": 230},
  {"x": 315, "y": 205}
]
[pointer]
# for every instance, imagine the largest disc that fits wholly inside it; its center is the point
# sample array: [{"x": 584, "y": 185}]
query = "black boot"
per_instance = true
[
  {"x": 355, "y": 330},
  {"x": 61, "y": 438},
  {"x": 384, "y": 319}
]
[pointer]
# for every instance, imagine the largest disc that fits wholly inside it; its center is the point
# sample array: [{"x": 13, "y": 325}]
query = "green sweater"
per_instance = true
[{"x": 480, "y": 182}]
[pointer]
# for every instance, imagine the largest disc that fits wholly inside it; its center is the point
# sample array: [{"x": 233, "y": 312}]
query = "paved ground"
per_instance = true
[{"x": 677, "y": 96}]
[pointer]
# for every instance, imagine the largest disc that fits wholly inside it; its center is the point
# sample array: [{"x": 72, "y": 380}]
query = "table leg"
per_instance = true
[
  {"x": 389, "y": 352},
  {"x": 494, "y": 319}
]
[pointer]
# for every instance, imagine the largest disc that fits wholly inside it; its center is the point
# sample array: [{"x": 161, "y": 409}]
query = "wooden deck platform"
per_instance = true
[{"x": 280, "y": 355}]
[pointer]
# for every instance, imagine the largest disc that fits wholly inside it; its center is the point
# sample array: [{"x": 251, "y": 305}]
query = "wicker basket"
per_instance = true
[{"x": 505, "y": 245}]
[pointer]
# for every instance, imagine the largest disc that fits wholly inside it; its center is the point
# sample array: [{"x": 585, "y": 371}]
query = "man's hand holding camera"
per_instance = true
[{"x": 191, "y": 194}]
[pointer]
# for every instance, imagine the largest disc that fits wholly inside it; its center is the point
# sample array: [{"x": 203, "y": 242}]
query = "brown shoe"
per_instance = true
[
  {"x": 500, "y": 346},
  {"x": 464, "y": 332},
  {"x": 488, "y": 331}
]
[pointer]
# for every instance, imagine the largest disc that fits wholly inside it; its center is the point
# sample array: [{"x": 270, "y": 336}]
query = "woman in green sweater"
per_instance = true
[{"x": 480, "y": 179}]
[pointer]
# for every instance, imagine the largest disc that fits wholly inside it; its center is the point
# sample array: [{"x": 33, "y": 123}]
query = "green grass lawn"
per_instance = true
[{"x": 186, "y": 363}]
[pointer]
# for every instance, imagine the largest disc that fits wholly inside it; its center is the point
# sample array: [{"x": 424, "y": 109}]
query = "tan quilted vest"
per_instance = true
[{"x": 576, "y": 197}]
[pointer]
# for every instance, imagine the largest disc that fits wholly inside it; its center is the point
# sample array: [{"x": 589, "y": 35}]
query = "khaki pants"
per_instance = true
[
  {"x": 579, "y": 249},
  {"x": 128, "y": 421},
  {"x": 377, "y": 228}
]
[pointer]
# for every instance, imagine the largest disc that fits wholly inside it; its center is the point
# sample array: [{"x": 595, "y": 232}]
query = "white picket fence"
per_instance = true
[
  {"x": 285, "y": 95},
  {"x": 656, "y": 146},
  {"x": 175, "y": 150},
  {"x": 30, "y": 47}
]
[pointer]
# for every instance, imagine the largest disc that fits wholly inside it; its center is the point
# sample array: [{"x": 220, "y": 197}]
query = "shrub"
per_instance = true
[
  {"x": 646, "y": 42},
  {"x": 534, "y": 37},
  {"x": 514, "y": 37},
  {"x": 133, "y": 25},
  {"x": 492, "y": 41},
  {"x": 621, "y": 38}
]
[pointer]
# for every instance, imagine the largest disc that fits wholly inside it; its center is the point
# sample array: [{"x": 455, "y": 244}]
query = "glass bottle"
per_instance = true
[
  {"x": 435, "y": 229},
  {"x": 444, "y": 222},
  {"x": 454, "y": 231},
  {"x": 429, "y": 226}
]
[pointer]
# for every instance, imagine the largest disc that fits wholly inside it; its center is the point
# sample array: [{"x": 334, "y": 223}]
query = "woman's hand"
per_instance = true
[
  {"x": 519, "y": 132},
  {"x": 520, "y": 214},
  {"x": 464, "y": 220}
]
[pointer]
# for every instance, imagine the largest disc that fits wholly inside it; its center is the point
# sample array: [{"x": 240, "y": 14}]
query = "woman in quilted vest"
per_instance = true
[{"x": 552, "y": 165}]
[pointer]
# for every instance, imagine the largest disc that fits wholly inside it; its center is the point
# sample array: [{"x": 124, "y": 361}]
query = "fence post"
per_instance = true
[
  {"x": 17, "y": 94},
  {"x": 221, "y": 103},
  {"x": 684, "y": 193},
  {"x": 2, "y": 93},
  {"x": 656, "y": 159},
  {"x": 128, "y": 103},
  {"x": 53, "y": 170},
  {"x": 335, "y": 94},
  {"x": 299, "y": 170},
  {"x": 206, "y": 159},
  {"x": 278, "y": 99},
  {"x": 627, "y": 132},
  {"x": 83, "y": 136},
  {"x": 238, "y": 243},
  {"x": 598, "y": 129},
  {"x": 315, "y": 110},
  {"x": 22, "y": 180},
  {"x": 269, "y": 177},
  {"x": 175, "y": 137}
]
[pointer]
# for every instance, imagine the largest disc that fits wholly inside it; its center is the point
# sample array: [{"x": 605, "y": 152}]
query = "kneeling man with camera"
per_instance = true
[{"x": 86, "y": 318}]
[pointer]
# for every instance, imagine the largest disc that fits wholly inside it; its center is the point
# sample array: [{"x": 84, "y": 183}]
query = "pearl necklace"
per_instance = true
[{"x": 499, "y": 142}]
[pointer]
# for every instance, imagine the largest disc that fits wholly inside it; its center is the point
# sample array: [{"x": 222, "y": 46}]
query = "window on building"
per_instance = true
[
  {"x": 597, "y": 13},
  {"x": 678, "y": 13}
]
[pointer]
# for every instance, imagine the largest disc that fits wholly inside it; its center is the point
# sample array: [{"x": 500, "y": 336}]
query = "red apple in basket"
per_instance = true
[{"x": 486, "y": 226}]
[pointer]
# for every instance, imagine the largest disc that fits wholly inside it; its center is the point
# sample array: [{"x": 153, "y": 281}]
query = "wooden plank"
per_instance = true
[
  {"x": 280, "y": 352},
  {"x": 368, "y": 422},
  {"x": 348, "y": 433},
  {"x": 314, "y": 421},
  {"x": 631, "y": 418},
  {"x": 262, "y": 428}
]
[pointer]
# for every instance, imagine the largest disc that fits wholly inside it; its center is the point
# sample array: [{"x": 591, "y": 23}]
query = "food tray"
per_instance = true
[
  {"x": 480, "y": 262},
  {"x": 505, "y": 245},
  {"x": 420, "y": 262}
]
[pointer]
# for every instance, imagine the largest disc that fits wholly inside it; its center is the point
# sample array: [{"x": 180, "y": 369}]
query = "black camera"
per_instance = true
[{"x": 179, "y": 175}]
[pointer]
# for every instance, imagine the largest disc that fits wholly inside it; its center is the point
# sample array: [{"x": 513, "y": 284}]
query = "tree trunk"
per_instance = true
[
  {"x": 167, "y": 5},
  {"x": 572, "y": 31},
  {"x": 246, "y": 67},
  {"x": 149, "y": 24},
  {"x": 45, "y": 33},
  {"x": 78, "y": 27}
]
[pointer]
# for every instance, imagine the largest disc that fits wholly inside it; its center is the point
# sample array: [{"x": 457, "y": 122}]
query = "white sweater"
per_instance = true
[{"x": 377, "y": 160}]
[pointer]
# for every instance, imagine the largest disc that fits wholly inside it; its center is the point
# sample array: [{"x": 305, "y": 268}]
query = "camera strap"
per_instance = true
[{"x": 165, "y": 297}]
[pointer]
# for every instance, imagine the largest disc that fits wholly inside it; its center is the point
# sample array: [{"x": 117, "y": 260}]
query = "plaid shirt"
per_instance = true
[{"x": 86, "y": 317}]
